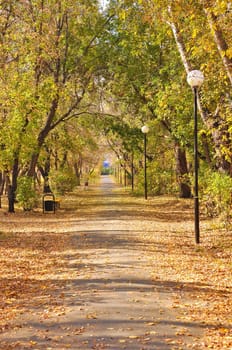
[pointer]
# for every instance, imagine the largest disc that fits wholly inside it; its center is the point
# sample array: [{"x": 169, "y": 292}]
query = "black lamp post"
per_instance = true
[
  {"x": 195, "y": 79},
  {"x": 132, "y": 171},
  {"x": 145, "y": 130}
]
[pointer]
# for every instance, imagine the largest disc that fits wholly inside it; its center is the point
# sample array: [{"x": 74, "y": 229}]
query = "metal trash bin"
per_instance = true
[{"x": 49, "y": 203}]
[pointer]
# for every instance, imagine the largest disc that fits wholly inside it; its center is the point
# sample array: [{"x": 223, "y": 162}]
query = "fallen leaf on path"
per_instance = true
[
  {"x": 133, "y": 336},
  {"x": 91, "y": 316}
]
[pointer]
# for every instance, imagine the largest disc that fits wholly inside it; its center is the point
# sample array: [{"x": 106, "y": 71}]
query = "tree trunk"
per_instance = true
[
  {"x": 42, "y": 136},
  {"x": 220, "y": 42},
  {"x": 2, "y": 184},
  {"x": 7, "y": 181},
  {"x": 64, "y": 160},
  {"x": 182, "y": 51},
  {"x": 218, "y": 135},
  {"x": 180, "y": 45},
  {"x": 13, "y": 187},
  {"x": 206, "y": 148},
  {"x": 15, "y": 172},
  {"x": 182, "y": 172},
  {"x": 77, "y": 168},
  {"x": 45, "y": 173},
  {"x": 11, "y": 199}
]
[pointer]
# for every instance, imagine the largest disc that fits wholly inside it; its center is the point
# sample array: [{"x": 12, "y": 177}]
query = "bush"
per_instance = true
[
  {"x": 63, "y": 180},
  {"x": 26, "y": 194},
  {"x": 159, "y": 181},
  {"x": 217, "y": 191}
]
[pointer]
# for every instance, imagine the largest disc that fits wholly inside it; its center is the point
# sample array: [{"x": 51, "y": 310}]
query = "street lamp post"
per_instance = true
[
  {"x": 120, "y": 169},
  {"x": 195, "y": 79},
  {"x": 132, "y": 171},
  {"x": 145, "y": 130}
]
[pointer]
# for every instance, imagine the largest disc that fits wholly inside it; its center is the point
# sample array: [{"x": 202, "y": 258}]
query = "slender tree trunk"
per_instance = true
[
  {"x": 182, "y": 172},
  {"x": 7, "y": 181},
  {"x": 11, "y": 199},
  {"x": 180, "y": 45},
  {"x": 15, "y": 172},
  {"x": 64, "y": 160},
  {"x": 13, "y": 187},
  {"x": 207, "y": 155},
  {"x": 45, "y": 173},
  {"x": 183, "y": 54},
  {"x": 217, "y": 133},
  {"x": 2, "y": 184},
  {"x": 42, "y": 136},
  {"x": 220, "y": 41},
  {"x": 77, "y": 169}
]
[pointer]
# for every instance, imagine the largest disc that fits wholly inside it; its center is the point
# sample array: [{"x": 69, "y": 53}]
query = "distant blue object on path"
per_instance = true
[{"x": 106, "y": 164}]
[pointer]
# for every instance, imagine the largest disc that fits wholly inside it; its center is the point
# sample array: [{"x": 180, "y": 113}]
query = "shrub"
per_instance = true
[
  {"x": 159, "y": 181},
  {"x": 26, "y": 194},
  {"x": 217, "y": 191},
  {"x": 63, "y": 180}
]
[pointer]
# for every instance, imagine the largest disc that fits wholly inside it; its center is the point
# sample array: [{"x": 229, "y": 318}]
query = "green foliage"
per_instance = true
[
  {"x": 63, "y": 180},
  {"x": 106, "y": 171},
  {"x": 159, "y": 180},
  {"x": 53, "y": 59},
  {"x": 48, "y": 60},
  {"x": 217, "y": 195},
  {"x": 26, "y": 194}
]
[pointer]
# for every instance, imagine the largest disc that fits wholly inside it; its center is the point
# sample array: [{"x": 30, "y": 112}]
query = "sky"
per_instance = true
[{"x": 103, "y": 3}]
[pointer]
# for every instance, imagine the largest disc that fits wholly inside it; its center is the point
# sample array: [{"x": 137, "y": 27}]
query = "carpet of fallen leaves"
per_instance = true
[
  {"x": 204, "y": 274},
  {"x": 29, "y": 258},
  {"x": 27, "y": 263}
]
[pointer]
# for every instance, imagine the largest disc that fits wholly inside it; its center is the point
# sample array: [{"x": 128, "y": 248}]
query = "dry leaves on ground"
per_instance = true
[{"x": 33, "y": 255}]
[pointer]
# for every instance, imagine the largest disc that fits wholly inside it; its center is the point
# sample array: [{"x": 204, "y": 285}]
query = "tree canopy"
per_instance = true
[{"x": 75, "y": 76}]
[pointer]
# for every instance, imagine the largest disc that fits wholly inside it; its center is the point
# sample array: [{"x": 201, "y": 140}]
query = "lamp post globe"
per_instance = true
[
  {"x": 195, "y": 79},
  {"x": 145, "y": 129}
]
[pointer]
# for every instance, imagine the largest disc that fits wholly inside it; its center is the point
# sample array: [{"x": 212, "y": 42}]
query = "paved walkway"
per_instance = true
[{"x": 111, "y": 301}]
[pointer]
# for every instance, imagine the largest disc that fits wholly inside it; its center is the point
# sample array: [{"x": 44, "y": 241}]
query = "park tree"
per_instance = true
[
  {"x": 48, "y": 67},
  {"x": 143, "y": 63},
  {"x": 219, "y": 18},
  {"x": 122, "y": 67},
  {"x": 67, "y": 153},
  {"x": 203, "y": 40},
  {"x": 153, "y": 45}
]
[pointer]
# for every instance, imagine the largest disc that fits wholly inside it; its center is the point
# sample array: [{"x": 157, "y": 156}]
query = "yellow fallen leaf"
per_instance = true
[
  {"x": 33, "y": 342},
  {"x": 151, "y": 323},
  {"x": 224, "y": 330},
  {"x": 91, "y": 316}
]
